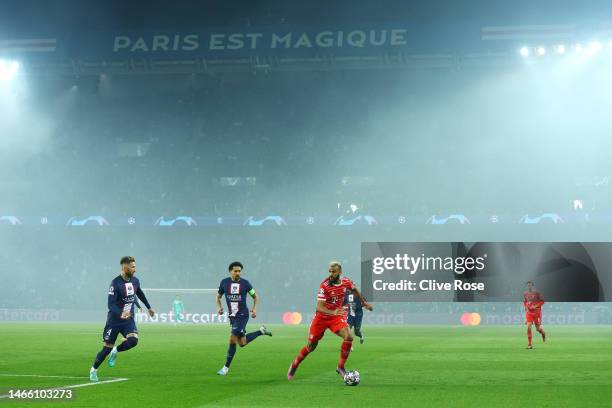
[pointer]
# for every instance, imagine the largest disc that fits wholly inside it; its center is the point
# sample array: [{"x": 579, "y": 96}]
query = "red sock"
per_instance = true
[
  {"x": 301, "y": 356},
  {"x": 345, "y": 350},
  {"x": 529, "y": 335}
]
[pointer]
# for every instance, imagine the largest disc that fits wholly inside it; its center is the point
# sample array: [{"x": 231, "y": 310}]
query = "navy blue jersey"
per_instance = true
[
  {"x": 236, "y": 295},
  {"x": 122, "y": 296},
  {"x": 353, "y": 303}
]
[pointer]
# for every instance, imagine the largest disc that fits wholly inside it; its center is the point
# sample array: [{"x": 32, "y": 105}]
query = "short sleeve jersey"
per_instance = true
[
  {"x": 533, "y": 301},
  {"x": 121, "y": 297},
  {"x": 353, "y": 303},
  {"x": 334, "y": 294},
  {"x": 236, "y": 295}
]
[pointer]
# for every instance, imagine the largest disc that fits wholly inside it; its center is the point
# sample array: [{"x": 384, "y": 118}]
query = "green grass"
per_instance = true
[{"x": 400, "y": 366}]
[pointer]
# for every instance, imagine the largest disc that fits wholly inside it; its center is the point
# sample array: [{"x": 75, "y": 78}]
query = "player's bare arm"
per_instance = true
[
  {"x": 254, "y": 309},
  {"x": 219, "y": 307}
]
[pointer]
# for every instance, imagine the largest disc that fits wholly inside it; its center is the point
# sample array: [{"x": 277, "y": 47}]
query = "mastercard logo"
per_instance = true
[
  {"x": 292, "y": 318},
  {"x": 470, "y": 319}
]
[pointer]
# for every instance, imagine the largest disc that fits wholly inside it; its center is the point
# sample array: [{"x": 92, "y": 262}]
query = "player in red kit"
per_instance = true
[
  {"x": 330, "y": 315},
  {"x": 533, "y": 301}
]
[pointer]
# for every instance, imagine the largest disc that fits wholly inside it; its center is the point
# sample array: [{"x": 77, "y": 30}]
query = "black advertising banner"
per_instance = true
[{"x": 485, "y": 271}]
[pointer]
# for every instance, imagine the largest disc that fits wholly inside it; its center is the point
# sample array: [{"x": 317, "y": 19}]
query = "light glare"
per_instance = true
[
  {"x": 594, "y": 47},
  {"x": 8, "y": 69}
]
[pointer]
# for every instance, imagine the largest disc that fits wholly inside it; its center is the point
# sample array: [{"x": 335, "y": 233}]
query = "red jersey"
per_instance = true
[
  {"x": 533, "y": 301},
  {"x": 333, "y": 295}
]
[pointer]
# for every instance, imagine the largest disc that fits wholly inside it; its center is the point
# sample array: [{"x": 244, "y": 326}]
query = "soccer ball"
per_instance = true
[{"x": 352, "y": 378}]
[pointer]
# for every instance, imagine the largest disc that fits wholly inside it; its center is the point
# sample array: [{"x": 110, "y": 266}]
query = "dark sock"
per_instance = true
[
  {"x": 101, "y": 356},
  {"x": 358, "y": 332},
  {"x": 231, "y": 350},
  {"x": 129, "y": 343},
  {"x": 252, "y": 336}
]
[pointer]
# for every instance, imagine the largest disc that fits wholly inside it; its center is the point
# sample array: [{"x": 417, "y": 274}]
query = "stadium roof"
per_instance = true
[{"x": 72, "y": 15}]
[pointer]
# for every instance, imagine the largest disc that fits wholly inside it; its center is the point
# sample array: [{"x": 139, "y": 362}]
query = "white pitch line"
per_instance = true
[
  {"x": 65, "y": 386},
  {"x": 93, "y": 383}
]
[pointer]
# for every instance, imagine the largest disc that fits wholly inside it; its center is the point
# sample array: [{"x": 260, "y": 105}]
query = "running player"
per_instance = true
[
  {"x": 533, "y": 302},
  {"x": 330, "y": 315},
  {"x": 355, "y": 315},
  {"x": 235, "y": 290},
  {"x": 121, "y": 298}
]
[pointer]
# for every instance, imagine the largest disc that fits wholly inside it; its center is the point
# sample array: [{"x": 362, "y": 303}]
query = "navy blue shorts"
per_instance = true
[
  {"x": 113, "y": 329},
  {"x": 355, "y": 321},
  {"x": 239, "y": 325}
]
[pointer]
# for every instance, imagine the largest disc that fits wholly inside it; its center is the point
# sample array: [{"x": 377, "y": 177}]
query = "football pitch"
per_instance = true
[{"x": 399, "y": 365}]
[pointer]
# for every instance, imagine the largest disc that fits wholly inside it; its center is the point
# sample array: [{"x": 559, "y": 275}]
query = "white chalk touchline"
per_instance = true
[
  {"x": 93, "y": 383},
  {"x": 65, "y": 386}
]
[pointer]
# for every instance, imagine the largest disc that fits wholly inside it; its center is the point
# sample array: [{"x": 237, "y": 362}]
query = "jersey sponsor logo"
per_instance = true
[
  {"x": 111, "y": 290},
  {"x": 129, "y": 289},
  {"x": 235, "y": 288},
  {"x": 234, "y": 307}
]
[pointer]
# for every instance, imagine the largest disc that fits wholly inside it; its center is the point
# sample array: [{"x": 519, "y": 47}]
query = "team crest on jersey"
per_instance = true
[
  {"x": 129, "y": 289},
  {"x": 111, "y": 290},
  {"x": 351, "y": 298},
  {"x": 235, "y": 288}
]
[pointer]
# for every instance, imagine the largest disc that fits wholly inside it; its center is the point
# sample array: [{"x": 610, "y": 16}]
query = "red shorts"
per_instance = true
[
  {"x": 533, "y": 317},
  {"x": 322, "y": 322}
]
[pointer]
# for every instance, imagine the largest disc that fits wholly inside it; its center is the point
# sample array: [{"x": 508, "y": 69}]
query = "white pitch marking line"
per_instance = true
[
  {"x": 65, "y": 386},
  {"x": 93, "y": 383}
]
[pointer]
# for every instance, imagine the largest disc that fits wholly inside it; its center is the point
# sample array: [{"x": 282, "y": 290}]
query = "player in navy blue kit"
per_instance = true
[
  {"x": 121, "y": 298},
  {"x": 355, "y": 315},
  {"x": 235, "y": 290}
]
